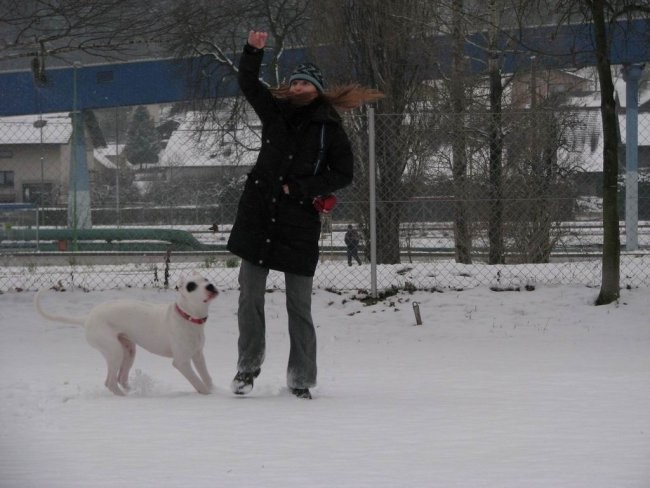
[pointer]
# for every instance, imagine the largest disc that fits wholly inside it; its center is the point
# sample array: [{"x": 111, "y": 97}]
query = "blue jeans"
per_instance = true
[{"x": 301, "y": 369}]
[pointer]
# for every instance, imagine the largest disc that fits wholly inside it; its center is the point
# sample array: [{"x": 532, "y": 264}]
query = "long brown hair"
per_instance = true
[{"x": 342, "y": 97}]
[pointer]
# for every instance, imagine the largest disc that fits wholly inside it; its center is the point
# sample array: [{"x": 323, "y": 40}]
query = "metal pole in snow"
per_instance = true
[
  {"x": 373, "y": 202},
  {"x": 416, "y": 311}
]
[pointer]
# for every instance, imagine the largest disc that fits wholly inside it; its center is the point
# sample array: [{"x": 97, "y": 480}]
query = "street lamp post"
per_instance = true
[{"x": 39, "y": 124}]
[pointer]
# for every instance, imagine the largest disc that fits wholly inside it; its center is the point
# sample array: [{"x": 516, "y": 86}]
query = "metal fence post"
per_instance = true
[{"x": 372, "y": 201}]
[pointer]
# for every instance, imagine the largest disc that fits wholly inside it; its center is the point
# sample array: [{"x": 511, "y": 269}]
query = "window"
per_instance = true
[
  {"x": 104, "y": 76},
  {"x": 558, "y": 88},
  {"x": 6, "y": 179}
]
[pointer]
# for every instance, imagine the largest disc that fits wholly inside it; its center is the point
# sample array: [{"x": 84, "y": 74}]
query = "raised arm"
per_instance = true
[{"x": 257, "y": 94}]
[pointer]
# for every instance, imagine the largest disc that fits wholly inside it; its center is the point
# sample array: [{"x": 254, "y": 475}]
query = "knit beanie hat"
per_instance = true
[{"x": 309, "y": 72}]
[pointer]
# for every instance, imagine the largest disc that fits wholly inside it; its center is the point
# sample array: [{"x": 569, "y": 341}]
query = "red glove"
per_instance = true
[{"x": 325, "y": 204}]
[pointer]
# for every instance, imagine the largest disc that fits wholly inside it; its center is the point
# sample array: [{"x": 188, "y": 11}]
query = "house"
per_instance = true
[
  {"x": 548, "y": 83},
  {"x": 35, "y": 154},
  {"x": 580, "y": 96},
  {"x": 197, "y": 152},
  {"x": 35, "y": 157}
]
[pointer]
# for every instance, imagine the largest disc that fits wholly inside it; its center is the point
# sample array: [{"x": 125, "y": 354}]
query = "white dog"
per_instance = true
[{"x": 172, "y": 330}]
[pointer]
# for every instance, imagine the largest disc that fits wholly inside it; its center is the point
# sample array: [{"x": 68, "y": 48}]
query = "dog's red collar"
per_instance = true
[{"x": 187, "y": 316}]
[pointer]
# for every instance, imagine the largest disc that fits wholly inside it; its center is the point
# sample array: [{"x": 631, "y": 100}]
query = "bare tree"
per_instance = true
[
  {"x": 610, "y": 284},
  {"x": 464, "y": 19},
  {"x": 385, "y": 46},
  {"x": 51, "y": 32},
  {"x": 603, "y": 14},
  {"x": 539, "y": 163},
  {"x": 478, "y": 172},
  {"x": 495, "y": 218},
  {"x": 217, "y": 30},
  {"x": 462, "y": 219}
]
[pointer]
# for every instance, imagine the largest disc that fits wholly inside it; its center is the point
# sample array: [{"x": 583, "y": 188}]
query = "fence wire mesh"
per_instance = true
[{"x": 507, "y": 200}]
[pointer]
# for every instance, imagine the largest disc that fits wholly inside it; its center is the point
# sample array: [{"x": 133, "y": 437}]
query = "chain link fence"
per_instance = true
[{"x": 440, "y": 201}]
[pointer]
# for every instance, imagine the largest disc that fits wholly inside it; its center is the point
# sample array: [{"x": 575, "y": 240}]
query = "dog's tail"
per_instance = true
[{"x": 55, "y": 318}]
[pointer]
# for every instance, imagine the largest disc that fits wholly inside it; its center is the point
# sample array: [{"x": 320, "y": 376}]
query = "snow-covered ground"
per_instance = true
[{"x": 495, "y": 389}]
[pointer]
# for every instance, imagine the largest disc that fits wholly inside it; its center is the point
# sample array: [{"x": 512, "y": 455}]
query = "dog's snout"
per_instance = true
[{"x": 212, "y": 289}]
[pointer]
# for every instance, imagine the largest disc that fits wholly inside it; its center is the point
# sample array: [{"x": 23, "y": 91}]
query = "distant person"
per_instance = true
[
  {"x": 305, "y": 153},
  {"x": 352, "y": 242}
]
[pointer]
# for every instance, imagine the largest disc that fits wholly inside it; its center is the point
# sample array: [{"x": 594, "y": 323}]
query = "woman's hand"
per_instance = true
[{"x": 257, "y": 39}]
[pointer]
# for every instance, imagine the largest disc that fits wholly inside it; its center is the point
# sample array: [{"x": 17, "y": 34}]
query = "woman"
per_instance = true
[{"x": 305, "y": 153}]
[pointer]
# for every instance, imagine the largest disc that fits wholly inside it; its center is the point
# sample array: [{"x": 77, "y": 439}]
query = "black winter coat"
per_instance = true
[{"x": 272, "y": 229}]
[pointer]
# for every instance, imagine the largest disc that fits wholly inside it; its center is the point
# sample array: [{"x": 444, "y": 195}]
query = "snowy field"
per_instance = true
[{"x": 496, "y": 389}]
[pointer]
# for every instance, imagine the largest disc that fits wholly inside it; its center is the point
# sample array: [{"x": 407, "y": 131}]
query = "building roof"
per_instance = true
[{"x": 214, "y": 147}]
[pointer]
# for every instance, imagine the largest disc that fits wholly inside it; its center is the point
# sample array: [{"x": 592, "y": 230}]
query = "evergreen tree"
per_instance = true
[{"x": 142, "y": 139}]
